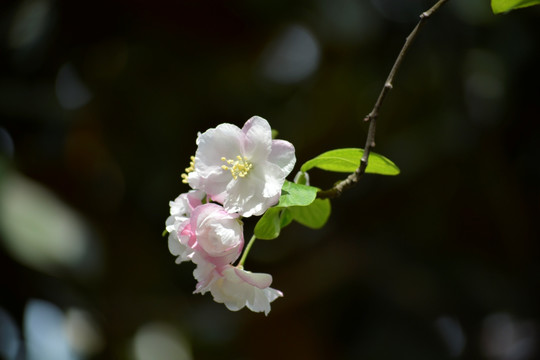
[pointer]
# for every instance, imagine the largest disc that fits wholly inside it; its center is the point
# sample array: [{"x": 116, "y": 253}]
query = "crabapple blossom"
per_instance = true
[
  {"x": 180, "y": 211},
  {"x": 213, "y": 234},
  {"x": 241, "y": 172},
  {"x": 236, "y": 287},
  {"x": 244, "y": 169}
]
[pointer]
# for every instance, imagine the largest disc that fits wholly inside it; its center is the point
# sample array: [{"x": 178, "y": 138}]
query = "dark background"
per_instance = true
[{"x": 100, "y": 104}]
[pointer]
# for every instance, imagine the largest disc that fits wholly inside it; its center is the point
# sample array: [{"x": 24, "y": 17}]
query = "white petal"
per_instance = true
[
  {"x": 255, "y": 193},
  {"x": 258, "y": 302},
  {"x": 195, "y": 180},
  {"x": 238, "y": 288},
  {"x": 272, "y": 201},
  {"x": 245, "y": 194},
  {"x": 259, "y": 280},
  {"x": 169, "y": 223},
  {"x": 185, "y": 202},
  {"x": 274, "y": 177},
  {"x": 215, "y": 183},
  {"x": 282, "y": 154},
  {"x": 204, "y": 273},
  {"x": 223, "y": 141},
  {"x": 255, "y": 121},
  {"x": 258, "y": 139},
  {"x": 176, "y": 248},
  {"x": 272, "y": 294}
]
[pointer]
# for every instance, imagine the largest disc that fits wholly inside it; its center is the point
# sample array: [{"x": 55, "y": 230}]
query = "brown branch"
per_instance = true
[{"x": 371, "y": 118}]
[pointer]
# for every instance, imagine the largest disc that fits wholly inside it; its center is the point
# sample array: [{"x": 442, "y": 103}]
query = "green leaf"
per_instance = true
[
  {"x": 348, "y": 160},
  {"x": 296, "y": 195},
  {"x": 269, "y": 225},
  {"x": 314, "y": 215},
  {"x": 301, "y": 178},
  {"x": 501, "y": 6},
  {"x": 275, "y": 218},
  {"x": 285, "y": 218}
]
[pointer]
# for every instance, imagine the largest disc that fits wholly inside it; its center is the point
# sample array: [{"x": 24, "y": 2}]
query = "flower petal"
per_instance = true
[
  {"x": 219, "y": 236},
  {"x": 258, "y": 139},
  {"x": 259, "y": 280},
  {"x": 204, "y": 273},
  {"x": 223, "y": 141},
  {"x": 237, "y": 288},
  {"x": 245, "y": 195},
  {"x": 176, "y": 248},
  {"x": 274, "y": 177},
  {"x": 282, "y": 154}
]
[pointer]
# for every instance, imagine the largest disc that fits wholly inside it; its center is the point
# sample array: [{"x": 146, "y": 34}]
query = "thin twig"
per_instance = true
[{"x": 371, "y": 118}]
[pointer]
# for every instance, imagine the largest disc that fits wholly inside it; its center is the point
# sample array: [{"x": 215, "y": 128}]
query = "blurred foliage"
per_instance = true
[
  {"x": 100, "y": 105},
  {"x": 501, "y": 6}
]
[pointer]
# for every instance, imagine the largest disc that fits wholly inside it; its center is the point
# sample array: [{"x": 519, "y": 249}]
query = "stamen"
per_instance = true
[
  {"x": 188, "y": 170},
  {"x": 238, "y": 168}
]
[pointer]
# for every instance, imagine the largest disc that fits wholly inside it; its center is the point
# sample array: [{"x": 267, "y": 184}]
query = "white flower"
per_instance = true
[
  {"x": 236, "y": 287},
  {"x": 244, "y": 169},
  {"x": 181, "y": 209}
]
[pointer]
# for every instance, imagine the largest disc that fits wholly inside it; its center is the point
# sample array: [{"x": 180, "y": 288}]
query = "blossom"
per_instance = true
[
  {"x": 239, "y": 172},
  {"x": 180, "y": 210},
  {"x": 213, "y": 239},
  {"x": 236, "y": 287},
  {"x": 213, "y": 235},
  {"x": 244, "y": 169}
]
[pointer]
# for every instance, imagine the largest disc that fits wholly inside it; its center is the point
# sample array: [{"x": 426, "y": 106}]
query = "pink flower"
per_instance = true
[
  {"x": 244, "y": 169},
  {"x": 181, "y": 209},
  {"x": 213, "y": 235},
  {"x": 236, "y": 287}
]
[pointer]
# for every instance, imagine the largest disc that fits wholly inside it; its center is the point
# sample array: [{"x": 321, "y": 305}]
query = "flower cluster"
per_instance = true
[{"x": 235, "y": 173}]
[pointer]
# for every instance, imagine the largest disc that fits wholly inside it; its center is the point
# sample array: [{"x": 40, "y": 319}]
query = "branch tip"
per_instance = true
[{"x": 371, "y": 118}]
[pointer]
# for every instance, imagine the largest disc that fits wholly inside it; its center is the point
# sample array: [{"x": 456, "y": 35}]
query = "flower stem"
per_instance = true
[{"x": 246, "y": 251}]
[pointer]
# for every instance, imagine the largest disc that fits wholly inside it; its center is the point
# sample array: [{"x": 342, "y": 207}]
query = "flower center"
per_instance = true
[
  {"x": 188, "y": 170},
  {"x": 238, "y": 168}
]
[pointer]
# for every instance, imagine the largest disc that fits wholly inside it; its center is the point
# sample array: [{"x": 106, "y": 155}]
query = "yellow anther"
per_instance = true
[
  {"x": 188, "y": 170},
  {"x": 238, "y": 168}
]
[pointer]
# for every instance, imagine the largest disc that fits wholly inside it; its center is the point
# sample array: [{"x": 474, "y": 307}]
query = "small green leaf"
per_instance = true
[
  {"x": 348, "y": 160},
  {"x": 314, "y": 215},
  {"x": 164, "y": 233},
  {"x": 501, "y": 6},
  {"x": 301, "y": 178},
  {"x": 296, "y": 195},
  {"x": 269, "y": 225}
]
